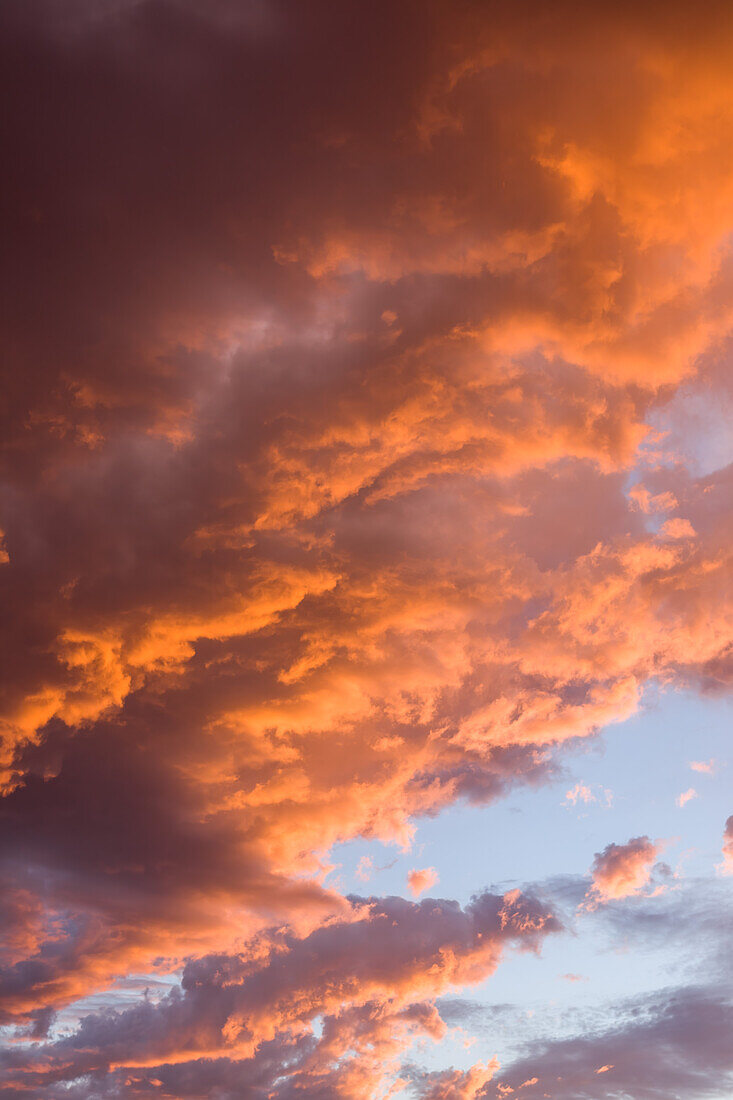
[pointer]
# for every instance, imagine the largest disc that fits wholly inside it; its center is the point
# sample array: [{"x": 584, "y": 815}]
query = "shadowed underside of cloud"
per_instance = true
[
  {"x": 329, "y": 492},
  {"x": 371, "y": 978},
  {"x": 675, "y": 1045}
]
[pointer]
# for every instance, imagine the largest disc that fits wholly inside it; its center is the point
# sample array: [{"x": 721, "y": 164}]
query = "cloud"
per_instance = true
[
  {"x": 421, "y": 880},
  {"x": 674, "y": 1042},
  {"x": 372, "y": 976},
  {"x": 705, "y": 767},
  {"x": 579, "y": 793},
  {"x": 457, "y": 1084},
  {"x": 728, "y": 846},
  {"x": 364, "y": 868},
  {"x": 677, "y": 528},
  {"x": 641, "y": 498},
  {"x": 582, "y": 793},
  {"x": 685, "y": 797},
  {"x": 320, "y": 420},
  {"x": 621, "y": 870}
]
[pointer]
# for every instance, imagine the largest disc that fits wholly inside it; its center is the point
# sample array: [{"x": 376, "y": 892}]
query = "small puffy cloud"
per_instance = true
[
  {"x": 677, "y": 529},
  {"x": 686, "y": 796},
  {"x": 582, "y": 793},
  {"x": 579, "y": 793},
  {"x": 421, "y": 879},
  {"x": 364, "y": 868},
  {"x": 604, "y": 1069},
  {"x": 621, "y": 870},
  {"x": 706, "y": 767}
]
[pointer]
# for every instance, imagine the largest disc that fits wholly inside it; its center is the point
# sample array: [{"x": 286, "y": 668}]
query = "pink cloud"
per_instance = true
[
  {"x": 728, "y": 846},
  {"x": 364, "y": 868},
  {"x": 459, "y": 1085},
  {"x": 579, "y": 793},
  {"x": 421, "y": 880},
  {"x": 649, "y": 503},
  {"x": 621, "y": 870},
  {"x": 707, "y": 767},
  {"x": 685, "y": 797},
  {"x": 582, "y": 793}
]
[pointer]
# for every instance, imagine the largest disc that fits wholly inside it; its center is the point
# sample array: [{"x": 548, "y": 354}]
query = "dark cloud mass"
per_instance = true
[{"x": 337, "y": 338}]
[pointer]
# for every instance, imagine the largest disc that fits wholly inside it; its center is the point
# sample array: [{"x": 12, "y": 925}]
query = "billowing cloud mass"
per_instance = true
[
  {"x": 351, "y": 469},
  {"x": 371, "y": 976}
]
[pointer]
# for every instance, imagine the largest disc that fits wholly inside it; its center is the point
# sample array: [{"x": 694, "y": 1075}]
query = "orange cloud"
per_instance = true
[{"x": 320, "y": 420}]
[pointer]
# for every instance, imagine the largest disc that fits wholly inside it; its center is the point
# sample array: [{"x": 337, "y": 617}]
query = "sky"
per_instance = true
[{"x": 365, "y": 550}]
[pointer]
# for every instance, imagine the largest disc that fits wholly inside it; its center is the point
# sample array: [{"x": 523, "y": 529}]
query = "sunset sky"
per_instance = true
[{"x": 365, "y": 550}]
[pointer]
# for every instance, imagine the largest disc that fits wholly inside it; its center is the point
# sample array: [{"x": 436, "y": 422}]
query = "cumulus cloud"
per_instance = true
[{"x": 621, "y": 870}]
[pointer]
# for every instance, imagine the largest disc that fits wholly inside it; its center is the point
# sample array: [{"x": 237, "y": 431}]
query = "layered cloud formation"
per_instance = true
[{"x": 357, "y": 357}]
